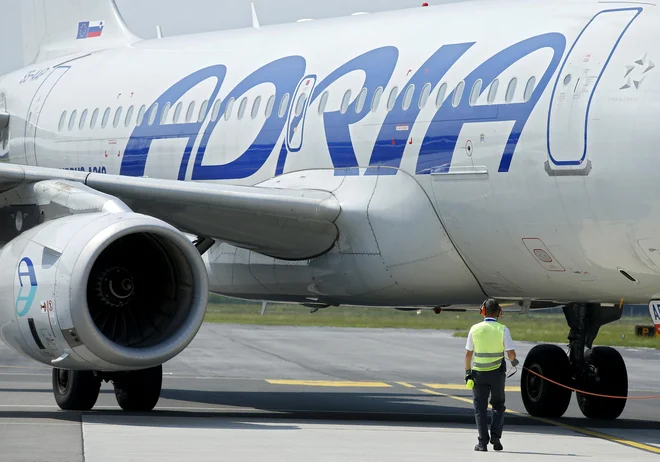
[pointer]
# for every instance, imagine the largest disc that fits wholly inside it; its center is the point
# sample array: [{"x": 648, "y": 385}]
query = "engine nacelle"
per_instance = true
[{"x": 102, "y": 291}]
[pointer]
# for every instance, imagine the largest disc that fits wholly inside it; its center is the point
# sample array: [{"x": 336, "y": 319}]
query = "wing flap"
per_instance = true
[{"x": 282, "y": 223}]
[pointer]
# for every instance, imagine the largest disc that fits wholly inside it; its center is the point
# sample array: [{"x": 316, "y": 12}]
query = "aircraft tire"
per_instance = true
[
  {"x": 139, "y": 390},
  {"x": 542, "y": 398},
  {"x": 613, "y": 380},
  {"x": 75, "y": 390}
]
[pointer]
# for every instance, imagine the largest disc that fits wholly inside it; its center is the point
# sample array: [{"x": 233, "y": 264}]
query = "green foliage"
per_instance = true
[{"x": 535, "y": 327}]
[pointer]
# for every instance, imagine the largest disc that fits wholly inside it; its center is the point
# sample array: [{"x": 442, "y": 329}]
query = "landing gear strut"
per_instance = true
[
  {"x": 599, "y": 370},
  {"x": 134, "y": 390}
]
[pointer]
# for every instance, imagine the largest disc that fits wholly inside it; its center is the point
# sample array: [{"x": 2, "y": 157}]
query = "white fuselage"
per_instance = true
[{"x": 452, "y": 186}]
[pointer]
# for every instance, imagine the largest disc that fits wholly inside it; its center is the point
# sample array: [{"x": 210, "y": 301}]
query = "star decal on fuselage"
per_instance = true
[{"x": 636, "y": 73}]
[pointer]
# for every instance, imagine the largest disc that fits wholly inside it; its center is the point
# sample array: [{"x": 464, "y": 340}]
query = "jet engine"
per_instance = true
[{"x": 101, "y": 291}]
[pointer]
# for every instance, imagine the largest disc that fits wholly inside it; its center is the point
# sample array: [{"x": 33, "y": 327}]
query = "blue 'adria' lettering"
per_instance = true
[
  {"x": 378, "y": 66},
  {"x": 137, "y": 149},
  {"x": 391, "y": 143},
  {"x": 284, "y": 74},
  {"x": 439, "y": 144}
]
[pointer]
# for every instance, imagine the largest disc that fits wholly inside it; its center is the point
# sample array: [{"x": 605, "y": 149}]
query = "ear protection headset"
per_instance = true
[{"x": 482, "y": 311}]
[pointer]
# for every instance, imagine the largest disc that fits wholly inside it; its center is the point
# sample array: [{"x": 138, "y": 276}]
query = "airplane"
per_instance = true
[{"x": 426, "y": 157}]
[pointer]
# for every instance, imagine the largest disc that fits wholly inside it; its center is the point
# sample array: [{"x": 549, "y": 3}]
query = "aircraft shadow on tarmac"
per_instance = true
[
  {"x": 386, "y": 409},
  {"x": 377, "y": 407}
]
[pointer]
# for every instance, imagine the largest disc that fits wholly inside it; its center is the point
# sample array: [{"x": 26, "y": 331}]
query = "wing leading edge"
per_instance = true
[{"x": 281, "y": 223}]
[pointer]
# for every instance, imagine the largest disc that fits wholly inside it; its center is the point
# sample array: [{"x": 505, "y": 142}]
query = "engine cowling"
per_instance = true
[{"x": 102, "y": 291}]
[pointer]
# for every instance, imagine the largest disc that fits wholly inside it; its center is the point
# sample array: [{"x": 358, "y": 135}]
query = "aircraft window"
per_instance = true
[
  {"x": 129, "y": 116},
  {"x": 177, "y": 112},
  {"x": 140, "y": 117},
  {"x": 511, "y": 90},
  {"x": 378, "y": 94},
  {"x": 492, "y": 93},
  {"x": 424, "y": 97},
  {"x": 440, "y": 99},
  {"x": 269, "y": 106},
  {"x": 408, "y": 97},
  {"x": 567, "y": 79},
  {"x": 83, "y": 119},
  {"x": 284, "y": 105},
  {"x": 95, "y": 117},
  {"x": 242, "y": 107},
  {"x": 62, "y": 120},
  {"x": 72, "y": 120},
  {"x": 301, "y": 104},
  {"x": 203, "y": 110},
  {"x": 152, "y": 114},
  {"x": 166, "y": 112},
  {"x": 324, "y": 102},
  {"x": 361, "y": 99},
  {"x": 216, "y": 111},
  {"x": 458, "y": 94},
  {"x": 529, "y": 89},
  {"x": 106, "y": 117},
  {"x": 346, "y": 101},
  {"x": 189, "y": 113},
  {"x": 229, "y": 108},
  {"x": 115, "y": 121},
  {"x": 392, "y": 99},
  {"x": 476, "y": 92},
  {"x": 255, "y": 107}
]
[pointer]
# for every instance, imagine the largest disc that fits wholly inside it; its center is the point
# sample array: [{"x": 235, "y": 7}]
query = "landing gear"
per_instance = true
[
  {"x": 598, "y": 370},
  {"x": 75, "y": 390},
  {"x": 139, "y": 390},
  {"x": 610, "y": 377},
  {"x": 542, "y": 398},
  {"x": 135, "y": 390}
]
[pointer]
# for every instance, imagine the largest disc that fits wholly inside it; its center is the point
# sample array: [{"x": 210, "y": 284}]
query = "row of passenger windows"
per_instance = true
[{"x": 194, "y": 115}]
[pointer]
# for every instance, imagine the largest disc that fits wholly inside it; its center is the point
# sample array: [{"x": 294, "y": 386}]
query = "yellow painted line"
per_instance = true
[
  {"x": 454, "y": 386},
  {"x": 614, "y": 439},
  {"x": 584, "y": 431},
  {"x": 405, "y": 384},
  {"x": 457, "y": 398},
  {"x": 330, "y": 383}
]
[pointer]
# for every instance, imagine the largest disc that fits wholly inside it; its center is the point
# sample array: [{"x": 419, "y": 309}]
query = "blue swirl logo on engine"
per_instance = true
[{"x": 26, "y": 274}]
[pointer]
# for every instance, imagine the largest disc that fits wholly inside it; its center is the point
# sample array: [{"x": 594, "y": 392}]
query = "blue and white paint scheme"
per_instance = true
[{"x": 424, "y": 157}]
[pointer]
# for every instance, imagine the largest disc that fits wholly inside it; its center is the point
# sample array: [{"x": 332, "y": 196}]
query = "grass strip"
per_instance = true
[{"x": 533, "y": 327}]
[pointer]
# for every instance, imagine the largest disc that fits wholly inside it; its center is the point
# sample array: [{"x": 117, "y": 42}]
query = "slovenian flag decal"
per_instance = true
[{"x": 90, "y": 29}]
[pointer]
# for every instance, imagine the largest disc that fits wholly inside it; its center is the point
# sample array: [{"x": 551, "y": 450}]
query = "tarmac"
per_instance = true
[{"x": 253, "y": 393}]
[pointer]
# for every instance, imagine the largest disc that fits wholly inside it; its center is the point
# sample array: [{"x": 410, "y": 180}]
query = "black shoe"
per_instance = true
[
  {"x": 497, "y": 445},
  {"x": 481, "y": 448}
]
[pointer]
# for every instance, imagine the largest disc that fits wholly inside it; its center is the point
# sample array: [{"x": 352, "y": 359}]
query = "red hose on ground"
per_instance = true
[{"x": 588, "y": 393}]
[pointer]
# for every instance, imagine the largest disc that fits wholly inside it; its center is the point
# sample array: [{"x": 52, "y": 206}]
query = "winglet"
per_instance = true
[{"x": 255, "y": 18}]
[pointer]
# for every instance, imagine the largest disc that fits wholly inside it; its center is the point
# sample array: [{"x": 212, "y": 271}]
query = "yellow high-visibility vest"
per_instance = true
[{"x": 488, "y": 338}]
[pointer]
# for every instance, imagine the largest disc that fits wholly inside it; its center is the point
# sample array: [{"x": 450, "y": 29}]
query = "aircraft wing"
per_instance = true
[{"x": 282, "y": 223}]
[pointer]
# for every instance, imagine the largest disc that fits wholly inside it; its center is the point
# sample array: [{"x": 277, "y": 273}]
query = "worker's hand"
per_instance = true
[
  {"x": 515, "y": 362},
  {"x": 468, "y": 375}
]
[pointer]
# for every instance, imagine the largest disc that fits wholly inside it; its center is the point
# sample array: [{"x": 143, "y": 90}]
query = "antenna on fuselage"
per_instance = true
[
  {"x": 159, "y": 31},
  {"x": 255, "y": 18}
]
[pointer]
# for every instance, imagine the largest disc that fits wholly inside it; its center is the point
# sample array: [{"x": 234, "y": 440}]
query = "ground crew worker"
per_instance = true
[{"x": 486, "y": 344}]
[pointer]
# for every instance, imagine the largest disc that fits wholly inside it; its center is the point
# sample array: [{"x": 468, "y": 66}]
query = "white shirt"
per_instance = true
[{"x": 508, "y": 341}]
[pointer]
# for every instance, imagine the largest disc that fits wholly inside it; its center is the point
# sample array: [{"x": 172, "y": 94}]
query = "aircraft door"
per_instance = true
[
  {"x": 34, "y": 113},
  {"x": 4, "y": 128},
  {"x": 296, "y": 123},
  {"x": 574, "y": 89}
]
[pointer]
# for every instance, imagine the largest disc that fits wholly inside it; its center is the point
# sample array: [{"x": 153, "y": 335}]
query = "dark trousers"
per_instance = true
[{"x": 487, "y": 384}]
